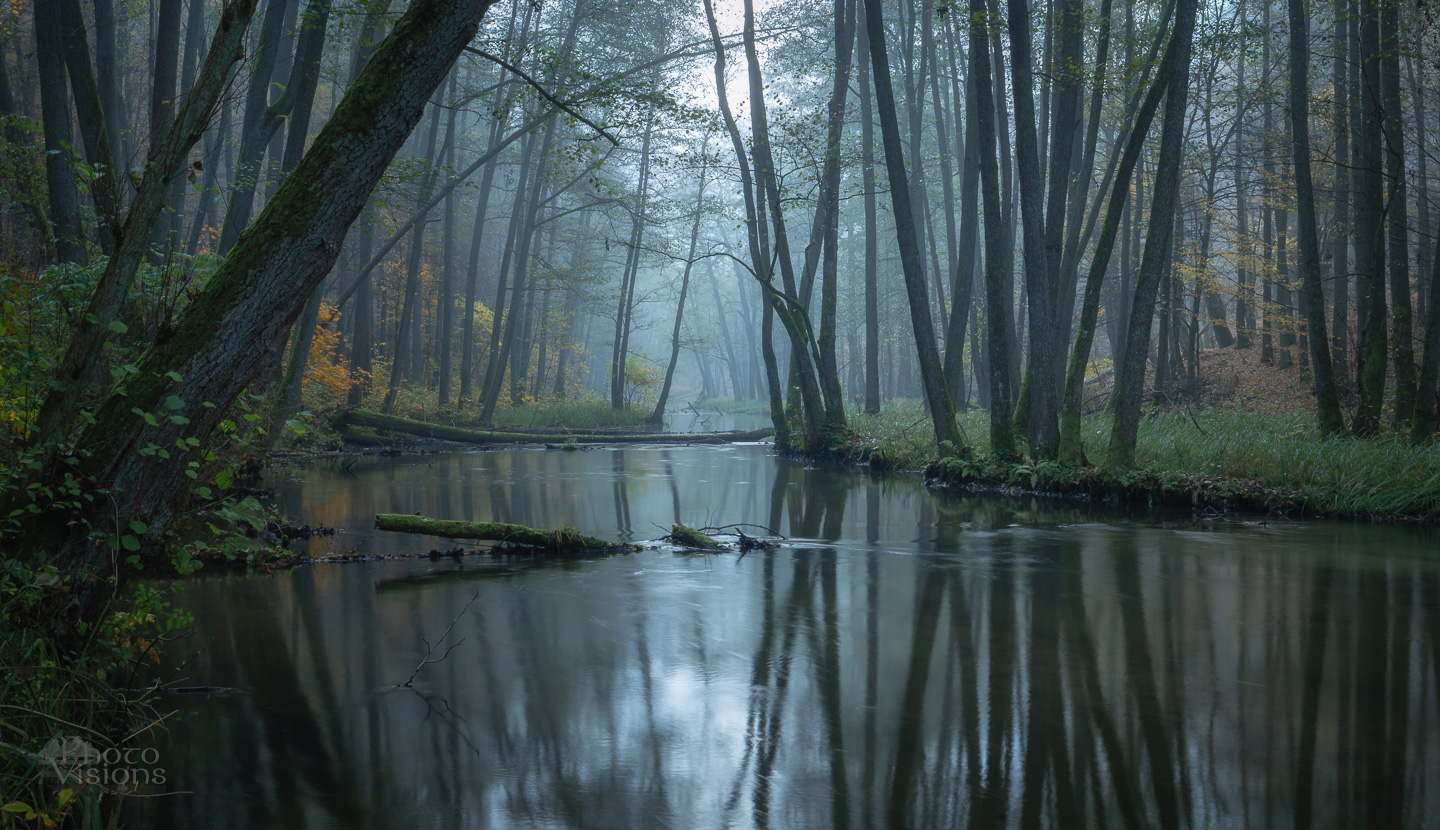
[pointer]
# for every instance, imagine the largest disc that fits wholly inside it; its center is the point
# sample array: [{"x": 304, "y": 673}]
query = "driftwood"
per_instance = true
[
  {"x": 423, "y": 429},
  {"x": 566, "y": 540}
]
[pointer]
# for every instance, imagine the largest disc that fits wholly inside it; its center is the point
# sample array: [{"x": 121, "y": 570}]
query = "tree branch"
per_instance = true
[{"x": 544, "y": 93}]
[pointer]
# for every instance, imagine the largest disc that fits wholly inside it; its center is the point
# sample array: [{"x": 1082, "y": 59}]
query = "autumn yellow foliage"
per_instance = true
[{"x": 326, "y": 378}]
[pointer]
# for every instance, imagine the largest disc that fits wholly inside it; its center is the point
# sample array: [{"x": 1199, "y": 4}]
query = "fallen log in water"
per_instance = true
[
  {"x": 566, "y": 540},
  {"x": 423, "y": 429}
]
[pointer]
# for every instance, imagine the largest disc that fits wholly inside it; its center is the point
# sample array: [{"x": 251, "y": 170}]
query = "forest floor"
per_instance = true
[{"x": 1231, "y": 380}]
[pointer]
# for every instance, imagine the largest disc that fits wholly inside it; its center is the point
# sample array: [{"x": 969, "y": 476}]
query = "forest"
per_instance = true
[
  {"x": 1161, "y": 250},
  {"x": 573, "y": 208}
]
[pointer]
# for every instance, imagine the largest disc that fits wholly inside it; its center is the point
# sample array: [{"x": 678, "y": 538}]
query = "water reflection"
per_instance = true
[{"x": 910, "y": 661}]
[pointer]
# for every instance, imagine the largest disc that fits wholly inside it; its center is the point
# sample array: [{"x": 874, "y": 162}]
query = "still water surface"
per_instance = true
[{"x": 907, "y": 660}]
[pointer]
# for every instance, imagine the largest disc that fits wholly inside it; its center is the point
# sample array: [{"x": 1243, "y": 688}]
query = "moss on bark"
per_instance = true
[{"x": 565, "y": 540}]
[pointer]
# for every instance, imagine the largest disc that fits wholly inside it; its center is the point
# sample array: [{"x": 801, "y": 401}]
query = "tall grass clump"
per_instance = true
[
  {"x": 902, "y": 436},
  {"x": 1382, "y": 476}
]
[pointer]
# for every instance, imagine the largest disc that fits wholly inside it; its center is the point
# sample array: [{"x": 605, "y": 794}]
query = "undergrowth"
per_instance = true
[{"x": 1208, "y": 456}]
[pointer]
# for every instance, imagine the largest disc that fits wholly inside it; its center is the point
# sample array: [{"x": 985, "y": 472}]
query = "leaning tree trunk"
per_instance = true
[
  {"x": 1070, "y": 442},
  {"x": 165, "y": 161},
  {"x": 932, "y": 378},
  {"x": 234, "y": 329},
  {"x": 1128, "y": 385},
  {"x": 756, "y": 236}
]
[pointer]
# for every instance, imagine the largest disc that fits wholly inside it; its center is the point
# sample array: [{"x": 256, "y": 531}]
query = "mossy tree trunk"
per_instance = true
[
  {"x": 234, "y": 329},
  {"x": 554, "y": 541}
]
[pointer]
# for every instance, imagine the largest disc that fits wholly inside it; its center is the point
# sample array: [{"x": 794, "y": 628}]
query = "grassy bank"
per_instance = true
[{"x": 1220, "y": 459}]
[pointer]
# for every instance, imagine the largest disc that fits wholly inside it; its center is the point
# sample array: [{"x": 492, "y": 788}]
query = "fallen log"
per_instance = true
[
  {"x": 565, "y": 540},
  {"x": 689, "y": 537},
  {"x": 424, "y": 429}
]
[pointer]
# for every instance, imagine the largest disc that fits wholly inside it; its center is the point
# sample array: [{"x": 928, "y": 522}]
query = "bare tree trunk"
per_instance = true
[
  {"x": 788, "y": 305},
  {"x": 162, "y": 106},
  {"x": 1423, "y": 257},
  {"x": 91, "y": 118},
  {"x": 1340, "y": 241},
  {"x": 657, "y": 416},
  {"x": 64, "y": 200},
  {"x": 306, "y": 73},
  {"x": 444, "y": 322},
  {"x": 1423, "y": 425},
  {"x": 997, "y": 284},
  {"x": 1118, "y": 206},
  {"x": 362, "y": 341},
  {"x": 1331, "y": 421},
  {"x": 258, "y": 125},
  {"x": 872, "y": 251},
  {"x": 932, "y": 379},
  {"x": 1131, "y": 379},
  {"x": 1397, "y": 211},
  {"x": 619, "y": 351},
  {"x": 757, "y": 238},
  {"x": 964, "y": 259},
  {"x": 1369, "y": 223},
  {"x": 402, "y": 363},
  {"x": 107, "y": 75}
]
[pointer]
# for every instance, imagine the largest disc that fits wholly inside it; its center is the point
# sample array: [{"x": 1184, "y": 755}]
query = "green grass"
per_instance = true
[
  {"x": 901, "y": 436},
  {"x": 1385, "y": 476},
  {"x": 1245, "y": 459},
  {"x": 582, "y": 414}
]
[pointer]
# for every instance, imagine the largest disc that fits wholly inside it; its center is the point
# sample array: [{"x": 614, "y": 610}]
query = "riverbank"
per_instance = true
[{"x": 1211, "y": 460}]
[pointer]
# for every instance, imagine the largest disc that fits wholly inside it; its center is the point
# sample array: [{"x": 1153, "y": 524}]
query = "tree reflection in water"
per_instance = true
[{"x": 908, "y": 660}]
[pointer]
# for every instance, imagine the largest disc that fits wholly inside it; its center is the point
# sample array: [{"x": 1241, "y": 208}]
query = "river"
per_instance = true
[{"x": 905, "y": 659}]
